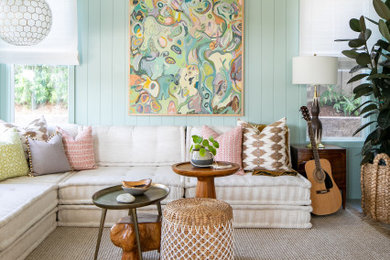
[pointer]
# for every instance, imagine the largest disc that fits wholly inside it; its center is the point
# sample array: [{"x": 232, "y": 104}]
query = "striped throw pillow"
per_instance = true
[{"x": 79, "y": 149}]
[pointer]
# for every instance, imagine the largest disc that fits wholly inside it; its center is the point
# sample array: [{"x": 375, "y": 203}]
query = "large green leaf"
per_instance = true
[
  {"x": 367, "y": 34},
  {"x": 384, "y": 45},
  {"x": 362, "y": 127},
  {"x": 384, "y": 30},
  {"x": 356, "y": 43},
  {"x": 361, "y": 87},
  {"x": 357, "y": 68},
  {"x": 361, "y": 105},
  {"x": 363, "y": 59},
  {"x": 197, "y": 139},
  {"x": 371, "y": 113},
  {"x": 358, "y": 77},
  {"x": 381, "y": 9},
  {"x": 368, "y": 108},
  {"x": 355, "y": 25},
  {"x": 350, "y": 54},
  {"x": 384, "y": 118},
  {"x": 363, "y": 92},
  {"x": 379, "y": 76}
]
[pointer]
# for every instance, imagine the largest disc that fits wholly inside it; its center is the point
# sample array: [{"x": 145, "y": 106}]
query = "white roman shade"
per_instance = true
[
  {"x": 60, "y": 47},
  {"x": 322, "y": 22}
]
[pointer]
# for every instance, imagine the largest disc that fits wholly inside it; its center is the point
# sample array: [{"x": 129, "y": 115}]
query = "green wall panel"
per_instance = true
[{"x": 271, "y": 40}]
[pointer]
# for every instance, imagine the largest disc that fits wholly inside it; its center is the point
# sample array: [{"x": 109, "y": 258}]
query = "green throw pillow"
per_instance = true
[{"x": 12, "y": 160}]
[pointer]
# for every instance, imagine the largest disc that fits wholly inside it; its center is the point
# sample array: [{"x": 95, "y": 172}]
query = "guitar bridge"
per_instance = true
[{"x": 322, "y": 191}]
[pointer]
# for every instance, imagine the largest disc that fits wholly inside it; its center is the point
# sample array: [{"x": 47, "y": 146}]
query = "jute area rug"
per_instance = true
[{"x": 344, "y": 235}]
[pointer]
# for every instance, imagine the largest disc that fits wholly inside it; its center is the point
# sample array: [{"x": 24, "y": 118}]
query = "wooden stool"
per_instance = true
[{"x": 123, "y": 235}]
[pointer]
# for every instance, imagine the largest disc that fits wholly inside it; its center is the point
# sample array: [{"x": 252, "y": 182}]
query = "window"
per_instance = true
[
  {"x": 321, "y": 22},
  {"x": 41, "y": 90}
]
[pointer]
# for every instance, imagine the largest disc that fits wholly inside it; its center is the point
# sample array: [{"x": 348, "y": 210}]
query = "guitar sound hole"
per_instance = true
[{"x": 319, "y": 175}]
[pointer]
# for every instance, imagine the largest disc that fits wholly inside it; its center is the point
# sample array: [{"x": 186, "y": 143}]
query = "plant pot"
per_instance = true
[{"x": 202, "y": 161}]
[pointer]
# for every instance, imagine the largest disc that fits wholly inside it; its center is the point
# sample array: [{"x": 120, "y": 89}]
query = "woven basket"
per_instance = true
[
  {"x": 197, "y": 228},
  {"x": 375, "y": 185}
]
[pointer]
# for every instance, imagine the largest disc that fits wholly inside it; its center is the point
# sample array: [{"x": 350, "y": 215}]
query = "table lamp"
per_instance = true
[{"x": 315, "y": 70}]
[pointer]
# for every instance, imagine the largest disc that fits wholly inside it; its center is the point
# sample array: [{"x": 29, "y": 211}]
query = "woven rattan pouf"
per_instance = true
[{"x": 197, "y": 229}]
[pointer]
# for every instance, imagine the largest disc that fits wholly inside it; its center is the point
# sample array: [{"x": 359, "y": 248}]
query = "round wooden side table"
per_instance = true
[
  {"x": 106, "y": 199},
  {"x": 205, "y": 187}
]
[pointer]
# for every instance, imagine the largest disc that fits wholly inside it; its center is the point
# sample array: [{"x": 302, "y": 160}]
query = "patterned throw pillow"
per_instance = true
[
  {"x": 12, "y": 160},
  {"x": 36, "y": 129},
  {"x": 230, "y": 145},
  {"x": 47, "y": 157},
  {"x": 79, "y": 150},
  {"x": 266, "y": 149}
]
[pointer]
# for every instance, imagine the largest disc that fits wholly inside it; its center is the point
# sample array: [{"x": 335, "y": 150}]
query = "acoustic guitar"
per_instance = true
[{"x": 324, "y": 193}]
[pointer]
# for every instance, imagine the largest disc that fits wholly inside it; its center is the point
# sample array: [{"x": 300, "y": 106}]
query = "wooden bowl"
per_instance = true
[{"x": 136, "y": 187}]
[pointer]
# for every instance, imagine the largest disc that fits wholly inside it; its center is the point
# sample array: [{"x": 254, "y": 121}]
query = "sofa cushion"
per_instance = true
[
  {"x": 79, "y": 188},
  {"x": 21, "y": 206},
  {"x": 256, "y": 190},
  {"x": 139, "y": 146},
  {"x": 54, "y": 178},
  {"x": 12, "y": 160}
]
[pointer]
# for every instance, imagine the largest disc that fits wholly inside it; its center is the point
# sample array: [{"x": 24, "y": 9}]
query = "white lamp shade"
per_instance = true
[{"x": 315, "y": 70}]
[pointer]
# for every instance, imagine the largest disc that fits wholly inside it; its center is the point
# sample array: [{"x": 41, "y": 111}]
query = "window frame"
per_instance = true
[{"x": 71, "y": 91}]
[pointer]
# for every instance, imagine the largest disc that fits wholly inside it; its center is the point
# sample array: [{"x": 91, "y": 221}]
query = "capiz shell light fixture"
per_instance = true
[{"x": 24, "y": 22}]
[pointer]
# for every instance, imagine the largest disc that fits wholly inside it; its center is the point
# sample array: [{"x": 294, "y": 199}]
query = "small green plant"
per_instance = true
[
  {"x": 340, "y": 102},
  {"x": 202, "y": 145}
]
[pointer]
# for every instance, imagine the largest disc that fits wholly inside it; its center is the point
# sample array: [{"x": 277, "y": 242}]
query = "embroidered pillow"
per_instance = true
[
  {"x": 36, "y": 129},
  {"x": 12, "y": 160},
  {"x": 47, "y": 157},
  {"x": 230, "y": 145},
  {"x": 266, "y": 149},
  {"x": 79, "y": 149}
]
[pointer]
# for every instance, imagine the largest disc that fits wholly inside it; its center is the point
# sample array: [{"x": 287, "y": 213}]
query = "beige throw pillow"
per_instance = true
[
  {"x": 36, "y": 129},
  {"x": 266, "y": 149}
]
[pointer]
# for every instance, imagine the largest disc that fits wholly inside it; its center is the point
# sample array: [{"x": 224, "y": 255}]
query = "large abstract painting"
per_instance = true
[{"x": 186, "y": 57}]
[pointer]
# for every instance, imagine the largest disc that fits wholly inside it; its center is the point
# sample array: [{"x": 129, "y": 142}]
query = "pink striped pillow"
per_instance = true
[
  {"x": 79, "y": 150},
  {"x": 230, "y": 145}
]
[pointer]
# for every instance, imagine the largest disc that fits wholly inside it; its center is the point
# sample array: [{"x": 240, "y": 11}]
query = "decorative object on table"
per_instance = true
[
  {"x": 203, "y": 151},
  {"x": 79, "y": 149},
  {"x": 336, "y": 155},
  {"x": 106, "y": 199},
  {"x": 137, "y": 187},
  {"x": 375, "y": 180},
  {"x": 125, "y": 198},
  {"x": 230, "y": 145},
  {"x": 36, "y": 129},
  {"x": 315, "y": 70},
  {"x": 12, "y": 160},
  {"x": 24, "y": 22},
  {"x": 205, "y": 186},
  {"x": 373, "y": 64},
  {"x": 265, "y": 149},
  {"x": 123, "y": 235},
  {"x": 186, "y": 57},
  {"x": 197, "y": 229},
  {"x": 324, "y": 194},
  {"x": 47, "y": 157}
]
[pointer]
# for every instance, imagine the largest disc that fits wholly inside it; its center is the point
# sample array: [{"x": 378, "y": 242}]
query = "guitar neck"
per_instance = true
[{"x": 314, "y": 146}]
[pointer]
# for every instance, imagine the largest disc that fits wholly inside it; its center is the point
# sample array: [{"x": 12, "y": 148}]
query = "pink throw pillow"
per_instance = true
[
  {"x": 230, "y": 145},
  {"x": 79, "y": 150}
]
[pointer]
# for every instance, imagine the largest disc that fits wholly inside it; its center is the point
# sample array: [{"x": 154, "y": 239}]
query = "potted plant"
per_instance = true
[
  {"x": 203, "y": 151},
  {"x": 373, "y": 63}
]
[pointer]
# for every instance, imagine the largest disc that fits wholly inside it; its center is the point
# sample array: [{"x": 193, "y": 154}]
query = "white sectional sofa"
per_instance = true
[{"x": 32, "y": 207}]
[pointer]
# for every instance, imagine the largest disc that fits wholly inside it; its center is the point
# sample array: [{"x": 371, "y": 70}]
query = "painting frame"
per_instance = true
[{"x": 241, "y": 74}]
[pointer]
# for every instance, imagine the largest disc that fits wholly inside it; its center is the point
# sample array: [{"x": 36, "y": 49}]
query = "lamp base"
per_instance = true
[
  {"x": 319, "y": 146},
  {"x": 315, "y": 120}
]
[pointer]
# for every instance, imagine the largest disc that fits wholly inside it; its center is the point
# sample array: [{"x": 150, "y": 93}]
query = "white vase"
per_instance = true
[{"x": 201, "y": 161}]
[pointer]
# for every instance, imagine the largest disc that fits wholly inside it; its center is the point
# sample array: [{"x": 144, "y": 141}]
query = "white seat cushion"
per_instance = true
[
  {"x": 21, "y": 206},
  {"x": 49, "y": 178},
  {"x": 79, "y": 188},
  {"x": 258, "y": 190}
]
